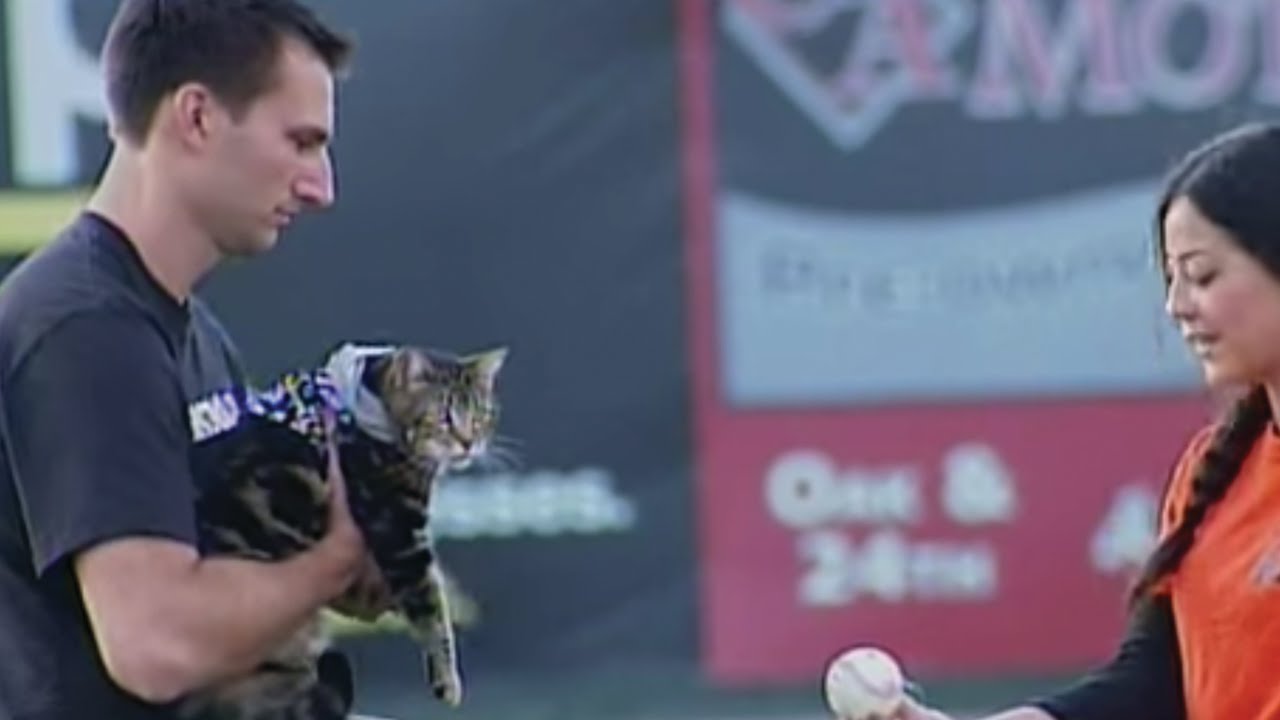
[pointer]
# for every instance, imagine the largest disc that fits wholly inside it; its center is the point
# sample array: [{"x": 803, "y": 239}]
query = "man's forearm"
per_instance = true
[
  {"x": 230, "y": 613},
  {"x": 167, "y": 622},
  {"x": 166, "y": 625}
]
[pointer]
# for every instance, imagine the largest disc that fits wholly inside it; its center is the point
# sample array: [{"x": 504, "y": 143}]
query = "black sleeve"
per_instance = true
[
  {"x": 1143, "y": 680},
  {"x": 98, "y": 437}
]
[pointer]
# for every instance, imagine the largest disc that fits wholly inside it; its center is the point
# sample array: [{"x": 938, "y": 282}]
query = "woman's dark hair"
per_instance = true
[{"x": 1234, "y": 181}]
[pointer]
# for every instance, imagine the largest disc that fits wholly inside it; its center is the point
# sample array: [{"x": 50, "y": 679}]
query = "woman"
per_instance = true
[{"x": 1204, "y": 635}]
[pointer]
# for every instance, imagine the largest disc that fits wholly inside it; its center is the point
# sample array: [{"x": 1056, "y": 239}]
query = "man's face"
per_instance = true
[{"x": 259, "y": 171}]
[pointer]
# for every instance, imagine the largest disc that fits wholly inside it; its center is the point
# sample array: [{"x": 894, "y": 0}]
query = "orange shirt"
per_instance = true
[{"x": 1226, "y": 594}]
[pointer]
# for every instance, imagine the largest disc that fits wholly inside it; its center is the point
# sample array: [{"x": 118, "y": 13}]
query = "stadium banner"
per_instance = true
[
  {"x": 935, "y": 396},
  {"x": 503, "y": 195}
]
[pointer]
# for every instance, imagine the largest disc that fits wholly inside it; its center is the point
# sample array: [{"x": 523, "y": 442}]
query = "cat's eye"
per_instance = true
[{"x": 487, "y": 413}]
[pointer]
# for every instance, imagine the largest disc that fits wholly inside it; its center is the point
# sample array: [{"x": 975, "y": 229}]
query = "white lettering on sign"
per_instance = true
[
  {"x": 1040, "y": 59},
  {"x": 805, "y": 489},
  {"x": 53, "y": 83},
  {"x": 1127, "y": 532},
  {"x": 977, "y": 487},
  {"x": 887, "y": 567},
  {"x": 546, "y": 503}
]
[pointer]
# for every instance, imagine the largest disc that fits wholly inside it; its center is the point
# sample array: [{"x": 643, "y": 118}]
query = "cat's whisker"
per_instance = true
[
  {"x": 504, "y": 442},
  {"x": 499, "y": 458}
]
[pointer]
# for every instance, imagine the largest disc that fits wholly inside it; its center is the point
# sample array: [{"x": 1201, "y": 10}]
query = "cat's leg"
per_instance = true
[
  {"x": 426, "y": 609},
  {"x": 329, "y": 696},
  {"x": 280, "y": 693},
  {"x": 299, "y": 679},
  {"x": 407, "y": 560},
  {"x": 261, "y": 695},
  {"x": 334, "y": 673},
  {"x": 464, "y": 609},
  {"x": 331, "y": 692}
]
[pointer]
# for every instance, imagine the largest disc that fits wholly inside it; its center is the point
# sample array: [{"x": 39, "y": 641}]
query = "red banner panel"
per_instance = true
[{"x": 935, "y": 396}]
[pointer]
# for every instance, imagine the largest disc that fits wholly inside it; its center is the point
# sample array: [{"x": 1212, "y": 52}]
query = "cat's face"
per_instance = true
[{"x": 445, "y": 406}]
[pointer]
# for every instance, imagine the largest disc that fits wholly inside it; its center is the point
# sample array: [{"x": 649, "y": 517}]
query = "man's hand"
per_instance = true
[
  {"x": 365, "y": 596},
  {"x": 368, "y": 597},
  {"x": 343, "y": 545}
]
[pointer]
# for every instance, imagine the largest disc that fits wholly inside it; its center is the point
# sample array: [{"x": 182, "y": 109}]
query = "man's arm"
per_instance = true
[
  {"x": 99, "y": 444},
  {"x": 167, "y": 622}
]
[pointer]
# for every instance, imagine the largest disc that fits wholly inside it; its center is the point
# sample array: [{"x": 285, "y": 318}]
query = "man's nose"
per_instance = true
[{"x": 315, "y": 187}]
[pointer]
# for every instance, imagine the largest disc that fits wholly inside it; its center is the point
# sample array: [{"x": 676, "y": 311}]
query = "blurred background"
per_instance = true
[{"x": 831, "y": 321}]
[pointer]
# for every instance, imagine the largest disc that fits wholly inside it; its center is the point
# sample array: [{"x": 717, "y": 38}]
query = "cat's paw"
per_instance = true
[
  {"x": 448, "y": 689},
  {"x": 445, "y": 681}
]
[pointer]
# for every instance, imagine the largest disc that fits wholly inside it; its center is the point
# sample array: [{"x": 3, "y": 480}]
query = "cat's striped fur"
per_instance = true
[{"x": 404, "y": 416}]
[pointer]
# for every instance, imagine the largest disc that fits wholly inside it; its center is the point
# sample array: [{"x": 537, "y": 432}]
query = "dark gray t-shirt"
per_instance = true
[{"x": 98, "y": 367}]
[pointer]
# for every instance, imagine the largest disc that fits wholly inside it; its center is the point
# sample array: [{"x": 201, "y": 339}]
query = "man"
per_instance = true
[{"x": 220, "y": 115}]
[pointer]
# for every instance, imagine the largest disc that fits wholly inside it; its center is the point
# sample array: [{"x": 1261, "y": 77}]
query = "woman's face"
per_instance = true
[{"x": 1226, "y": 304}]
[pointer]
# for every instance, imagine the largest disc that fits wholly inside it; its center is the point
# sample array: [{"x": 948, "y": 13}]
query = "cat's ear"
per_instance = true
[
  {"x": 488, "y": 364},
  {"x": 410, "y": 367}
]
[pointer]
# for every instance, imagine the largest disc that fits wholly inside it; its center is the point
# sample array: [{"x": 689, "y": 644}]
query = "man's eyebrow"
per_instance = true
[{"x": 310, "y": 135}]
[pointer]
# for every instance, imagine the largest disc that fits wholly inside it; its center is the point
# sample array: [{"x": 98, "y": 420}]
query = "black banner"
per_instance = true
[{"x": 506, "y": 175}]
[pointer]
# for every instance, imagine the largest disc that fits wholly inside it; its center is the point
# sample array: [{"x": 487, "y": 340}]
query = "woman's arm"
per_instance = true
[{"x": 1143, "y": 680}]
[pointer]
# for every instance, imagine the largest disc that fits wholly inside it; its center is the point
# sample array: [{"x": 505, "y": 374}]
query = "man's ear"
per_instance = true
[{"x": 193, "y": 114}]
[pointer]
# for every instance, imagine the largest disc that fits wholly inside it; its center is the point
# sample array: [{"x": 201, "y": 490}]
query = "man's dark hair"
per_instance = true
[{"x": 231, "y": 46}]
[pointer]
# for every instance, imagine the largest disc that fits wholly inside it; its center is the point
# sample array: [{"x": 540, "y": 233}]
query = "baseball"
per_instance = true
[{"x": 864, "y": 683}]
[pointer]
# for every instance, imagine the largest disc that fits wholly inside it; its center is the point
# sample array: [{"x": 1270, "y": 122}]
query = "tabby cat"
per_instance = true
[{"x": 403, "y": 416}]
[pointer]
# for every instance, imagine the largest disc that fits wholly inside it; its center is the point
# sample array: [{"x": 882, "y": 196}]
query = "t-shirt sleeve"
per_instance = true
[
  {"x": 1143, "y": 680},
  {"x": 98, "y": 437}
]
